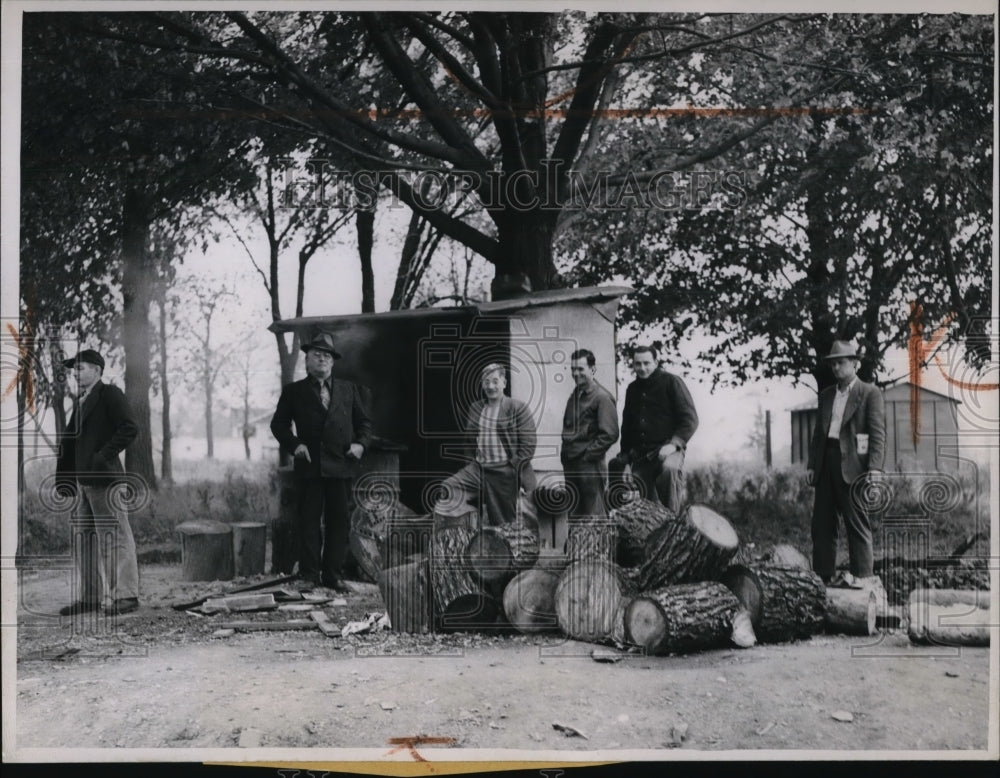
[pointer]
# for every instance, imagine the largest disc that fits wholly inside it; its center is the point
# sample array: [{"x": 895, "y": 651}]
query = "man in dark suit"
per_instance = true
[
  {"x": 332, "y": 430},
  {"x": 848, "y": 443},
  {"x": 501, "y": 433},
  {"x": 100, "y": 427},
  {"x": 658, "y": 420}
]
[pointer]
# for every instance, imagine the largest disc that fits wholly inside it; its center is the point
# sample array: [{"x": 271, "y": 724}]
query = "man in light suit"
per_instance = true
[
  {"x": 88, "y": 468},
  {"x": 502, "y": 434},
  {"x": 332, "y": 430},
  {"x": 848, "y": 443}
]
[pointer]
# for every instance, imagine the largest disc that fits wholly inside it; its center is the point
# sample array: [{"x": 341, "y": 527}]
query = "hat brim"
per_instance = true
[
  {"x": 309, "y": 347},
  {"x": 71, "y": 362},
  {"x": 841, "y": 356}
]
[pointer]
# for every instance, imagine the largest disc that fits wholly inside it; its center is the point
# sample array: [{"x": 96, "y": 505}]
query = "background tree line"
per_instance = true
[{"x": 865, "y": 144}]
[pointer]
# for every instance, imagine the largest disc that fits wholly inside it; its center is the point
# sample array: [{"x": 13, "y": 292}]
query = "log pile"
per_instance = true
[{"x": 645, "y": 579}]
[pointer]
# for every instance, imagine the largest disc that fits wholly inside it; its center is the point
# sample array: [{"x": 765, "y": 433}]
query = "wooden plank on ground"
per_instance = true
[
  {"x": 269, "y": 626},
  {"x": 326, "y": 626}
]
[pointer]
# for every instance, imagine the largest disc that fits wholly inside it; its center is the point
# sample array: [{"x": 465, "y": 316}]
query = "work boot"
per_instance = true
[{"x": 124, "y": 605}]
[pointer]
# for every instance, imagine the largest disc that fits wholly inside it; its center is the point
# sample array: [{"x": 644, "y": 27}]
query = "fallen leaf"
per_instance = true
[{"x": 842, "y": 715}]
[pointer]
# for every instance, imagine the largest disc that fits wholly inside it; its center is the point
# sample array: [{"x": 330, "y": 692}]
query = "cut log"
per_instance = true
[
  {"x": 406, "y": 594},
  {"x": 684, "y": 617},
  {"x": 950, "y": 617},
  {"x": 850, "y": 611},
  {"x": 588, "y": 599},
  {"x": 249, "y": 547},
  {"x": 591, "y": 540},
  {"x": 459, "y": 602},
  {"x": 635, "y": 521},
  {"x": 206, "y": 551},
  {"x": 284, "y": 544},
  {"x": 785, "y": 555},
  {"x": 495, "y": 555},
  {"x": 529, "y": 600},
  {"x": 387, "y": 537},
  {"x": 696, "y": 547},
  {"x": 784, "y": 603}
]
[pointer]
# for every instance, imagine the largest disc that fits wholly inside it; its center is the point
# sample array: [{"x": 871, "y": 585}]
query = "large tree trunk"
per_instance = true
[
  {"x": 784, "y": 603},
  {"x": 686, "y": 617},
  {"x": 590, "y": 601},
  {"x": 529, "y": 600},
  {"x": 365, "y": 222},
  {"x": 635, "y": 521},
  {"x": 459, "y": 602},
  {"x": 696, "y": 547},
  {"x": 138, "y": 279}
]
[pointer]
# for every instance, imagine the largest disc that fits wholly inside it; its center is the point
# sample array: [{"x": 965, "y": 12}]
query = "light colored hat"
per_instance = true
[{"x": 841, "y": 349}]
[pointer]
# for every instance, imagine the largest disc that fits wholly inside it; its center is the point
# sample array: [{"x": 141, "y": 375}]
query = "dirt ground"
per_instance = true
[{"x": 164, "y": 679}]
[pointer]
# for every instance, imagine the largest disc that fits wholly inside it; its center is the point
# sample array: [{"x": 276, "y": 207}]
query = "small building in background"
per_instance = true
[
  {"x": 908, "y": 409},
  {"x": 422, "y": 367}
]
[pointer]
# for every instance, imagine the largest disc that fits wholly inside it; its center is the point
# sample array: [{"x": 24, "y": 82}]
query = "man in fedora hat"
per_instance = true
[
  {"x": 848, "y": 443},
  {"x": 332, "y": 431},
  {"x": 88, "y": 468}
]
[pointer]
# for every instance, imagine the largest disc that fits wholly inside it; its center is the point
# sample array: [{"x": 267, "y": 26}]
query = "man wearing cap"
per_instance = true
[
  {"x": 590, "y": 427},
  {"x": 332, "y": 431},
  {"x": 100, "y": 427},
  {"x": 848, "y": 443},
  {"x": 501, "y": 433},
  {"x": 658, "y": 420}
]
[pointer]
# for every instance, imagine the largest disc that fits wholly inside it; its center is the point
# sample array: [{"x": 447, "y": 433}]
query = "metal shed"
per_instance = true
[
  {"x": 422, "y": 369},
  {"x": 908, "y": 408}
]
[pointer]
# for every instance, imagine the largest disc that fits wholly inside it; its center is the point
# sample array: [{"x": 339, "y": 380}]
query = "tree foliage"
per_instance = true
[{"x": 876, "y": 196}]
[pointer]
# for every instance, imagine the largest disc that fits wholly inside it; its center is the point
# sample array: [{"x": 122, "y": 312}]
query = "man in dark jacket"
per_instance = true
[
  {"x": 658, "y": 421},
  {"x": 500, "y": 437},
  {"x": 332, "y": 431},
  {"x": 590, "y": 427},
  {"x": 848, "y": 443},
  {"x": 100, "y": 427}
]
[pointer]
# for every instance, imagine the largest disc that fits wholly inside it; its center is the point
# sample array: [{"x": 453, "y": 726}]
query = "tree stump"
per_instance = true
[
  {"x": 950, "y": 617},
  {"x": 284, "y": 543},
  {"x": 635, "y": 521},
  {"x": 249, "y": 547},
  {"x": 529, "y": 600},
  {"x": 495, "y": 555},
  {"x": 459, "y": 602},
  {"x": 684, "y": 617},
  {"x": 850, "y": 611},
  {"x": 588, "y": 599},
  {"x": 206, "y": 551},
  {"x": 406, "y": 592},
  {"x": 696, "y": 547},
  {"x": 784, "y": 603}
]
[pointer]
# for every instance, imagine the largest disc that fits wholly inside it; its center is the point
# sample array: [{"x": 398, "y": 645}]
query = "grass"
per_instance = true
[
  {"x": 924, "y": 515},
  {"x": 209, "y": 489},
  {"x": 928, "y": 514}
]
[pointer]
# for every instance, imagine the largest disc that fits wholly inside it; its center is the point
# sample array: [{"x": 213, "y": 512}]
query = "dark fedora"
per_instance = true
[
  {"x": 87, "y": 355},
  {"x": 842, "y": 349},
  {"x": 322, "y": 342}
]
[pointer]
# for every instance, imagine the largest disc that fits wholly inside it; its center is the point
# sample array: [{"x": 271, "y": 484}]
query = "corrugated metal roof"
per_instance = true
[{"x": 533, "y": 300}]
